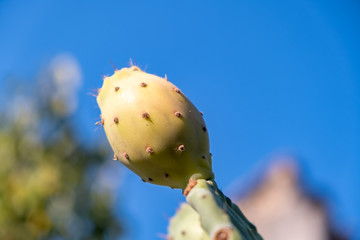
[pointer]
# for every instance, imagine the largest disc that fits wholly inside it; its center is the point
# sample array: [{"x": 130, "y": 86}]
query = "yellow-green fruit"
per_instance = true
[{"x": 154, "y": 129}]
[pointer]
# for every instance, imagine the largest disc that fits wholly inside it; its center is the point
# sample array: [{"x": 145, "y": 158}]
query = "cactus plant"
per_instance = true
[
  {"x": 212, "y": 216},
  {"x": 186, "y": 225},
  {"x": 159, "y": 134}
]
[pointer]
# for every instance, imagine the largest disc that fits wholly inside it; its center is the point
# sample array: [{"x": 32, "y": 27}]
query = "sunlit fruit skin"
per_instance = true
[{"x": 154, "y": 129}]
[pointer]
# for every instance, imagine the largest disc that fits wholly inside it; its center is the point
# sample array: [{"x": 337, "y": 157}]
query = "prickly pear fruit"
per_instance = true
[{"x": 154, "y": 129}]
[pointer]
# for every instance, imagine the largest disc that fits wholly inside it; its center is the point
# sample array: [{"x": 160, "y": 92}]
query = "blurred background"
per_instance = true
[{"x": 278, "y": 82}]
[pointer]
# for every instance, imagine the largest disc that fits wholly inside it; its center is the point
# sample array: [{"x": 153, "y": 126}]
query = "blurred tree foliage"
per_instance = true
[{"x": 48, "y": 179}]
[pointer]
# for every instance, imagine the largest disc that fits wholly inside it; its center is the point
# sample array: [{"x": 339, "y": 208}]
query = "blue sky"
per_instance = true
[{"x": 272, "y": 78}]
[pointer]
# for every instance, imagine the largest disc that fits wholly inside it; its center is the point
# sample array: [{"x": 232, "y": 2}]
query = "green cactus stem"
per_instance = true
[{"x": 219, "y": 218}]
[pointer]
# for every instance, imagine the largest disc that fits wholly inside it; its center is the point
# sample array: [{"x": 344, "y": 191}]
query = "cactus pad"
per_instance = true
[
  {"x": 154, "y": 129},
  {"x": 186, "y": 225},
  {"x": 209, "y": 214}
]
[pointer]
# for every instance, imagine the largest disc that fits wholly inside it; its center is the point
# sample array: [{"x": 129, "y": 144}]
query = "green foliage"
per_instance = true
[{"x": 48, "y": 179}]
